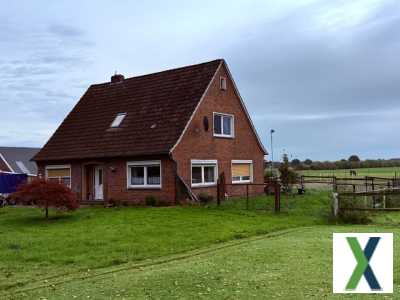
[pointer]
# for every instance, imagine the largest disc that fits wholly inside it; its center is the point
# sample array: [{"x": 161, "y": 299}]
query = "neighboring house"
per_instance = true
[
  {"x": 157, "y": 135},
  {"x": 18, "y": 160}
]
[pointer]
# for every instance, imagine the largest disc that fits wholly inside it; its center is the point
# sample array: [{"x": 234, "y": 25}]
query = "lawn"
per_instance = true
[
  {"x": 206, "y": 252},
  {"x": 34, "y": 249},
  {"x": 293, "y": 265},
  {"x": 362, "y": 172}
]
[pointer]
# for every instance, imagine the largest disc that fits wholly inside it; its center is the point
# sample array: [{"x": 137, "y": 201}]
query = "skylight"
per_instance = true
[{"x": 118, "y": 120}]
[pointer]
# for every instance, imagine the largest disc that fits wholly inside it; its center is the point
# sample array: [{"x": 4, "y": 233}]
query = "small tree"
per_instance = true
[
  {"x": 287, "y": 175},
  {"x": 46, "y": 194}
]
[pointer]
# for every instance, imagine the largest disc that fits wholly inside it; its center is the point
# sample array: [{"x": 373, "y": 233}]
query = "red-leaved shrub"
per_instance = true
[{"x": 46, "y": 194}]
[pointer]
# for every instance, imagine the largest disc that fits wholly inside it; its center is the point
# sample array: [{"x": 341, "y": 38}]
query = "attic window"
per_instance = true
[
  {"x": 222, "y": 83},
  {"x": 118, "y": 120}
]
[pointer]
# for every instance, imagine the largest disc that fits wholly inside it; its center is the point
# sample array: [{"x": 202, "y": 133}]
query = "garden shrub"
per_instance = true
[
  {"x": 151, "y": 201},
  {"x": 204, "y": 198},
  {"x": 46, "y": 194}
]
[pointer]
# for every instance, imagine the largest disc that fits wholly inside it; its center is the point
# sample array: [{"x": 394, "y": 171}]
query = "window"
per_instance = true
[
  {"x": 223, "y": 125},
  {"x": 144, "y": 174},
  {"x": 242, "y": 171},
  {"x": 222, "y": 83},
  {"x": 204, "y": 172},
  {"x": 118, "y": 120},
  {"x": 61, "y": 174}
]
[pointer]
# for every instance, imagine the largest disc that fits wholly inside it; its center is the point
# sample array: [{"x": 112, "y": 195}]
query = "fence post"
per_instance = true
[
  {"x": 334, "y": 184},
  {"x": 218, "y": 192},
  {"x": 277, "y": 197},
  {"x": 335, "y": 204},
  {"x": 247, "y": 196}
]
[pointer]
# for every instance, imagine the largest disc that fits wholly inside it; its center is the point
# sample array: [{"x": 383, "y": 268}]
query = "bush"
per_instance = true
[
  {"x": 355, "y": 217},
  {"x": 151, "y": 201},
  {"x": 46, "y": 194},
  {"x": 204, "y": 198}
]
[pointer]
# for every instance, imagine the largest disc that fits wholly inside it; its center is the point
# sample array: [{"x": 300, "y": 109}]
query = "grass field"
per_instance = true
[
  {"x": 93, "y": 238},
  {"x": 291, "y": 265},
  {"x": 175, "y": 252},
  {"x": 373, "y": 172}
]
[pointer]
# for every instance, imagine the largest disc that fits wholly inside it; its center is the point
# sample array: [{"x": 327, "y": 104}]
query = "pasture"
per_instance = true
[{"x": 388, "y": 172}]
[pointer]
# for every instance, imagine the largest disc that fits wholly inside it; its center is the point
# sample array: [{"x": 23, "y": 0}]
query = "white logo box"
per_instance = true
[{"x": 344, "y": 262}]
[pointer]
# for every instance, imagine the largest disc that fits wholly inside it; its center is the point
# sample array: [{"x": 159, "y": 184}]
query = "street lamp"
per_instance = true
[{"x": 272, "y": 152}]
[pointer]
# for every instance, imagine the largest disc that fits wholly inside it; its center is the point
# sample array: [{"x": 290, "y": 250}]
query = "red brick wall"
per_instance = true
[
  {"x": 200, "y": 144},
  {"x": 117, "y": 183},
  {"x": 115, "y": 180},
  {"x": 76, "y": 174}
]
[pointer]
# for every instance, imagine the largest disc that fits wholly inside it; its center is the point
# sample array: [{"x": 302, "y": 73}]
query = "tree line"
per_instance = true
[{"x": 352, "y": 162}]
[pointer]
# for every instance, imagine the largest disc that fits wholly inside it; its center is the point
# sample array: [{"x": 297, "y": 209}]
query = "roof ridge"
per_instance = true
[{"x": 164, "y": 71}]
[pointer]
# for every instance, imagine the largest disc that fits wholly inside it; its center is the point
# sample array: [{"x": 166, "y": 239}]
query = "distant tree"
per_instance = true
[
  {"x": 308, "y": 162},
  {"x": 354, "y": 158},
  {"x": 46, "y": 194},
  {"x": 296, "y": 162}
]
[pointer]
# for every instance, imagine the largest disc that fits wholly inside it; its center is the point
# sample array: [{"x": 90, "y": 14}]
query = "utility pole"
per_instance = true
[{"x": 272, "y": 152}]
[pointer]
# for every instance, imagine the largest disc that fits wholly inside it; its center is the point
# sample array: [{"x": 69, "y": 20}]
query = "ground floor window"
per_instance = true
[
  {"x": 142, "y": 174},
  {"x": 204, "y": 172},
  {"x": 242, "y": 171},
  {"x": 59, "y": 173}
]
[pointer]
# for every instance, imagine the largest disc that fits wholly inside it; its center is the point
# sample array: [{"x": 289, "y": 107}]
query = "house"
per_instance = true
[
  {"x": 18, "y": 160},
  {"x": 168, "y": 134}
]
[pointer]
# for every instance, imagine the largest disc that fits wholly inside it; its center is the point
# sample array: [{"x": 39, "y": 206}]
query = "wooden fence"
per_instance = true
[
  {"x": 387, "y": 199},
  {"x": 351, "y": 184},
  {"x": 273, "y": 185}
]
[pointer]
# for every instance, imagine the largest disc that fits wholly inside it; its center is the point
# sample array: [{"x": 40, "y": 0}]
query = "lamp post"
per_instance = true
[{"x": 272, "y": 152}]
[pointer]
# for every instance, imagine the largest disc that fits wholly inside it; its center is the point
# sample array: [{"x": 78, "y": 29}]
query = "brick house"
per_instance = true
[{"x": 169, "y": 134}]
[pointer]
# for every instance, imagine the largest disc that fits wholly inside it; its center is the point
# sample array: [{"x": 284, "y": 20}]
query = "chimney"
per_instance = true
[{"x": 117, "y": 78}]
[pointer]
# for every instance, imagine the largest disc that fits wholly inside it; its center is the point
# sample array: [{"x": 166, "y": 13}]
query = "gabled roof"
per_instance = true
[
  {"x": 158, "y": 106},
  {"x": 155, "y": 110},
  {"x": 18, "y": 159}
]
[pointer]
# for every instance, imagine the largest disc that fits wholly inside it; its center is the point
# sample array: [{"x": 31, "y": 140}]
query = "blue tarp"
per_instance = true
[{"x": 9, "y": 182}]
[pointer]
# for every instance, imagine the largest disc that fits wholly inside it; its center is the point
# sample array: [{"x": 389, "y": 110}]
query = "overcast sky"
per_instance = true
[{"x": 324, "y": 74}]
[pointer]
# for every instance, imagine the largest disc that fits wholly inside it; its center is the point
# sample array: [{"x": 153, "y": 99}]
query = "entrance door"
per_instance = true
[{"x": 98, "y": 183}]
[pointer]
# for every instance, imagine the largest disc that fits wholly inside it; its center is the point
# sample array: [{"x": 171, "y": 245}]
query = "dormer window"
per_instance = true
[
  {"x": 118, "y": 120},
  {"x": 222, "y": 83},
  {"x": 223, "y": 125}
]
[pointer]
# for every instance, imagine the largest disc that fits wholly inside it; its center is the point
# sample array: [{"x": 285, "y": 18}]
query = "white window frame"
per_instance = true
[
  {"x": 222, "y": 83},
  {"x": 241, "y": 161},
  {"x": 53, "y": 167},
  {"x": 145, "y": 164},
  {"x": 202, "y": 164},
  {"x": 117, "y": 122},
  {"x": 232, "y": 135}
]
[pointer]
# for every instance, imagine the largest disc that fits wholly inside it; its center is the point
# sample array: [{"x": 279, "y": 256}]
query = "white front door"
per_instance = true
[{"x": 98, "y": 183}]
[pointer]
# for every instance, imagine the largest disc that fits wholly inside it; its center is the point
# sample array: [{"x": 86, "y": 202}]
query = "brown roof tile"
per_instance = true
[{"x": 158, "y": 106}]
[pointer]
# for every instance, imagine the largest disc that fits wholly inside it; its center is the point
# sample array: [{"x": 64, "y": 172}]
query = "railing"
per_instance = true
[{"x": 271, "y": 185}]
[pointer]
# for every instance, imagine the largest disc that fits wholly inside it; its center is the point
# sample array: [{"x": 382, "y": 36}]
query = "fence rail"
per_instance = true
[
  {"x": 387, "y": 199},
  {"x": 351, "y": 184},
  {"x": 273, "y": 184}
]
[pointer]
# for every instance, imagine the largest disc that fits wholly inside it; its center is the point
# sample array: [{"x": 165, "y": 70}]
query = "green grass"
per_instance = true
[
  {"x": 207, "y": 252},
  {"x": 294, "y": 265},
  {"x": 362, "y": 172},
  {"x": 34, "y": 248}
]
